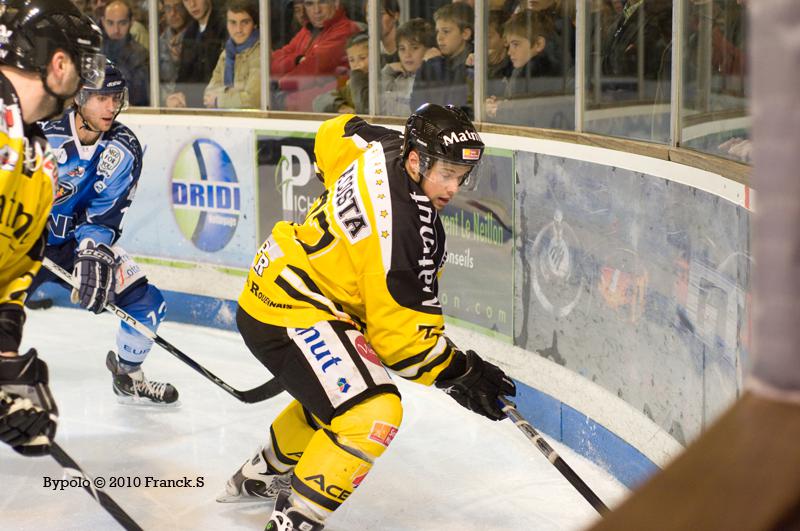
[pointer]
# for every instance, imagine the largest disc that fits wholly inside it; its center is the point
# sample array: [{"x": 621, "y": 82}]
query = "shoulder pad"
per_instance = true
[
  {"x": 122, "y": 135},
  {"x": 56, "y": 126}
]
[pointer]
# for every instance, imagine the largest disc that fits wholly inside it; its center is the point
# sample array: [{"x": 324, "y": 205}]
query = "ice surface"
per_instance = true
[{"x": 447, "y": 468}]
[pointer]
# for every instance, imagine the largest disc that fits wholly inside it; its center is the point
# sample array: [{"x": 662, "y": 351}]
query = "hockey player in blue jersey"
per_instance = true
[{"x": 99, "y": 162}]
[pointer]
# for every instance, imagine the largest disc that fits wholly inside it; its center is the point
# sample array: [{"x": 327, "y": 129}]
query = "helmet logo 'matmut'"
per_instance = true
[{"x": 456, "y": 137}]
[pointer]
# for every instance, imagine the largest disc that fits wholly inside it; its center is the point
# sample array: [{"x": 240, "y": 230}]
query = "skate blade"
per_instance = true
[
  {"x": 227, "y": 497},
  {"x": 144, "y": 402}
]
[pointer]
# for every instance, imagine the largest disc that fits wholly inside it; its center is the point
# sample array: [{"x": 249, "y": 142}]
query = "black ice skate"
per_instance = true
[
  {"x": 135, "y": 388},
  {"x": 253, "y": 482},
  {"x": 39, "y": 304},
  {"x": 285, "y": 517}
]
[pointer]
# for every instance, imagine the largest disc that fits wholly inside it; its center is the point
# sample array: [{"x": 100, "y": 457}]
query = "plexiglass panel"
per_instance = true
[
  {"x": 530, "y": 62},
  {"x": 628, "y": 69},
  {"x": 714, "y": 113}
]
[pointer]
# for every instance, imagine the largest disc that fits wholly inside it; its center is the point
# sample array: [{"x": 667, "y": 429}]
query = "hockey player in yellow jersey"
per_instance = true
[
  {"x": 335, "y": 304},
  {"x": 47, "y": 49}
]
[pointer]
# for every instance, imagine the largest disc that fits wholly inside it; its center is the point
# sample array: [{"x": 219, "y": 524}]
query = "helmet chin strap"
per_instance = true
[{"x": 85, "y": 122}]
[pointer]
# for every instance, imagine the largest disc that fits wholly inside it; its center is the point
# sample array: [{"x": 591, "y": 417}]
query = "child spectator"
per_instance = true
[
  {"x": 414, "y": 39},
  {"x": 444, "y": 79},
  {"x": 534, "y": 72},
  {"x": 389, "y": 17},
  {"x": 235, "y": 83},
  {"x": 499, "y": 65},
  {"x": 353, "y": 97},
  {"x": 307, "y": 66}
]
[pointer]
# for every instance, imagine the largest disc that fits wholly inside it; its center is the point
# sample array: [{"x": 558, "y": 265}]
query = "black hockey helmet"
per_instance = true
[
  {"x": 443, "y": 133},
  {"x": 32, "y": 30},
  {"x": 113, "y": 83}
]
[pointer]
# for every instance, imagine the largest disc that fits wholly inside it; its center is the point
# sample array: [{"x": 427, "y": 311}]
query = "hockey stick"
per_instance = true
[
  {"x": 88, "y": 483},
  {"x": 257, "y": 394},
  {"x": 552, "y": 456}
]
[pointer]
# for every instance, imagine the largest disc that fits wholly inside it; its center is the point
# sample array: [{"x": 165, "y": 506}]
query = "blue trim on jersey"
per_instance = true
[{"x": 96, "y": 183}]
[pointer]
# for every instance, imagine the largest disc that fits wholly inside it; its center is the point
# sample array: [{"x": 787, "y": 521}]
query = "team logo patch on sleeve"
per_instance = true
[
  {"x": 348, "y": 207},
  {"x": 382, "y": 433},
  {"x": 110, "y": 161}
]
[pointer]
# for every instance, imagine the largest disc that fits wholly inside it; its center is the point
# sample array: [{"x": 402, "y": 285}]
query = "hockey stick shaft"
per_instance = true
[
  {"x": 257, "y": 394},
  {"x": 88, "y": 483},
  {"x": 553, "y": 457}
]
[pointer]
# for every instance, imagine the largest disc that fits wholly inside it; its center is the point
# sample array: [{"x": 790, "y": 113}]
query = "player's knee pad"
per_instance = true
[
  {"x": 327, "y": 474},
  {"x": 369, "y": 427},
  {"x": 289, "y": 436}
]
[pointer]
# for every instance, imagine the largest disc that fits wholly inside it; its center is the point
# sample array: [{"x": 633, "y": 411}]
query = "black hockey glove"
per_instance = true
[
  {"x": 479, "y": 387},
  {"x": 94, "y": 270},
  {"x": 28, "y": 413}
]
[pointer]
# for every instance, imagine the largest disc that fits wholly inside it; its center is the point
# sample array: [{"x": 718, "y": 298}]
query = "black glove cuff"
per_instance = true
[
  {"x": 12, "y": 317},
  {"x": 456, "y": 369},
  {"x": 26, "y": 369},
  {"x": 99, "y": 252}
]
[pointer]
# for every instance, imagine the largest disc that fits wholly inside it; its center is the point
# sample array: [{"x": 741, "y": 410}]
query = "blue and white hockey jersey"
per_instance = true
[{"x": 96, "y": 183}]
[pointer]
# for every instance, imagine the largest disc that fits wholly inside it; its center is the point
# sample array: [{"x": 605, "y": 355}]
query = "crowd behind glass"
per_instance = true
[{"x": 209, "y": 56}]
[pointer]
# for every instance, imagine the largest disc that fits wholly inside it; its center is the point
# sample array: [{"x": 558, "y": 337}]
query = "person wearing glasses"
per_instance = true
[{"x": 335, "y": 304}]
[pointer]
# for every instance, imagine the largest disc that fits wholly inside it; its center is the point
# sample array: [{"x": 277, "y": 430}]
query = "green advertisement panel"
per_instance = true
[{"x": 477, "y": 287}]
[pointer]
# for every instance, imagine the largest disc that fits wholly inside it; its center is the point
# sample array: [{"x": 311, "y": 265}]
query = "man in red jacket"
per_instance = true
[{"x": 307, "y": 66}]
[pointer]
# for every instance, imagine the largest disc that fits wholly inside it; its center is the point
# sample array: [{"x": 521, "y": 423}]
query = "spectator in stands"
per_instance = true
[
  {"x": 621, "y": 53},
  {"x": 559, "y": 15},
  {"x": 139, "y": 30},
  {"x": 236, "y": 82},
  {"x": 286, "y": 18},
  {"x": 414, "y": 39},
  {"x": 389, "y": 18},
  {"x": 170, "y": 44},
  {"x": 445, "y": 79},
  {"x": 85, "y": 7},
  {"x": 353, "y": 97},
  {"x": 534, "y": 72},
  {"x": 202, "y": 44},
  {"x": 96, "y": 8},
  {"x": 499, "y": 65},
  {"x": 129, "y": 56},
  {"x": 309, "y": 64}
]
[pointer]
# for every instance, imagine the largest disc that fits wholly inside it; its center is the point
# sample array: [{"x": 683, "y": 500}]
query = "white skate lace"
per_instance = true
[
  {"x": 279, "y": 483},
  {"x": 148, "y": 388}
]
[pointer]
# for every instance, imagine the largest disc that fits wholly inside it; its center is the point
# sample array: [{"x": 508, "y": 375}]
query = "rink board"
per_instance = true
[{"x": 627, "y": 272}]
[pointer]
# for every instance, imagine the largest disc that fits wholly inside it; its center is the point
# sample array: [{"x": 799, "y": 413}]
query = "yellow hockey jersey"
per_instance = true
[
  {"x": 368, "y": 253},
  {"x": 27, "y": 177}
]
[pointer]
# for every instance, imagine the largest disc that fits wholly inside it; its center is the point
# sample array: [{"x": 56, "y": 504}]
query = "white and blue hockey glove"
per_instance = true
[
  {"x": 28, "y": 413},
  {"x": 94, "y": 271},
  {"x": 478, "y": 386}
]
